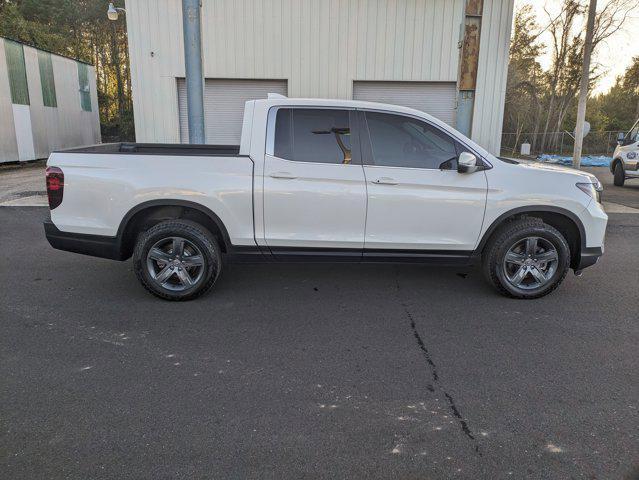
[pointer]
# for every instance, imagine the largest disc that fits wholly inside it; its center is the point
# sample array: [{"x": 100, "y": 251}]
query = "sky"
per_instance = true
[{"x": 614, "y": 56}]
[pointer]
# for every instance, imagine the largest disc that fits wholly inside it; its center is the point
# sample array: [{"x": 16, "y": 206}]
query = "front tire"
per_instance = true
[
  {"x": 620, "y": 175},
  {"x": 177, "y": 260},
  {"x": 526, "y": 259}
]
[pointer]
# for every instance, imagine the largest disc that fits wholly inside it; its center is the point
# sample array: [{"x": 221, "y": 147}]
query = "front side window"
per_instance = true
[
  {"x": 399, "y": 141},
  {"x": 313, "y": 135},
  {"x": 633, "y": 135}
]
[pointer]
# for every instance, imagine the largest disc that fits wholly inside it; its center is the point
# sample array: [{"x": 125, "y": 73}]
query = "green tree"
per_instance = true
[{"x": 631, "y": 82}]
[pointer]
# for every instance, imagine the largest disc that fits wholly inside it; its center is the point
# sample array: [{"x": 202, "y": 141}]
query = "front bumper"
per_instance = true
[{"x": 93, "y": 245}]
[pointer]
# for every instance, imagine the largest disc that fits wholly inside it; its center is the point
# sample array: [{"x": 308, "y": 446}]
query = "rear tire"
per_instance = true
[
  {"x": 177, "y": 260},
  {"x": 526, "y": 259},
  {"x": 620, "y": 175}
]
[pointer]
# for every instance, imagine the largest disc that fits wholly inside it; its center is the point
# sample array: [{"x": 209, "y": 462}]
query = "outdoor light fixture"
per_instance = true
[{"x": 112, "y": 12}]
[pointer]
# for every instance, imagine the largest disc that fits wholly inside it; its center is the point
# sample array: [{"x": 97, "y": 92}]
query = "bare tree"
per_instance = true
[
  {"x": 561, "y": 29},
  {"x": 599, "y": 27}
]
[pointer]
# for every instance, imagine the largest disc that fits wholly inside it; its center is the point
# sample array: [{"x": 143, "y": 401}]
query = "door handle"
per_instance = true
[
  {"x": 283, "y": 175},
  {"x": 385, "y": 181}
]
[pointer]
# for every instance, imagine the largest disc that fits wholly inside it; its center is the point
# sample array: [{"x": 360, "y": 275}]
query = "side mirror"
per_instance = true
[
  {"x": 467, "y": 163},
  {"x": 620, "y": 138}
]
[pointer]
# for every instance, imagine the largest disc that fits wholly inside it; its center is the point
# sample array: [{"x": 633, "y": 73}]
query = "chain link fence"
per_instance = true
[{"x": 559, "y": 143}]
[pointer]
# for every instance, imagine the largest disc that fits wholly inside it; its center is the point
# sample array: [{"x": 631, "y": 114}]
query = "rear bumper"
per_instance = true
[
  {"x": 589, "y": 256},
  {"x": 94, "y": 245}
]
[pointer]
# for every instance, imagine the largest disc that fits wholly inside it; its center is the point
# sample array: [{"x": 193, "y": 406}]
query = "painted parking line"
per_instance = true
[{"x": 618, "y": 208}]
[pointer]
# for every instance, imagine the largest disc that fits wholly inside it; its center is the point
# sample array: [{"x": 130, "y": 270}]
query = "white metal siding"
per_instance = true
[
  {"x": 48, "y": 128},
  {"x": 492, "y": 74},
  {"x": 224, "y": 106},
  {"x": 436, "y": 99},
  {"x": 320, "y": 47}
]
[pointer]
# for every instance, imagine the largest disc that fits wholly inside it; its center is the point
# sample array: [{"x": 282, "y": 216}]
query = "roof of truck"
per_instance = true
[{"x": 280, "y": 100}]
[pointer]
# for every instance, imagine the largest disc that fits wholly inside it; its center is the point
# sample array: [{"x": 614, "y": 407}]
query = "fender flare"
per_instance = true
[
  {"x": 532, "y": 209},
  {"x": 172, "y": 203},
  {"x": 614, "y": 162}
]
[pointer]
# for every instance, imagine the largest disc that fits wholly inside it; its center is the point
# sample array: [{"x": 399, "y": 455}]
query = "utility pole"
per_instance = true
[
  {"x": 115, "y": 53},
  {"x": 583, "y": 86},
  {"x": 193, "y": 68}
]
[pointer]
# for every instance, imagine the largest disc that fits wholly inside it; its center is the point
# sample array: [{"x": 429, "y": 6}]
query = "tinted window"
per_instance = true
[
  {"x": 399, "y": 141},
  {"x": 633, "y": 135},
  {"x": 313, "y": 135}
]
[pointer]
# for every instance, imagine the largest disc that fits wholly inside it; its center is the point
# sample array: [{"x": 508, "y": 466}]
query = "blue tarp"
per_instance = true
[{"x": 587, "y": 161}]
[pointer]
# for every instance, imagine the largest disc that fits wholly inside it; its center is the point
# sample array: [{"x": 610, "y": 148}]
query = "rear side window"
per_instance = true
[
  {"x": 313, "y": 135},
  {"x": 399, "y": 141}
]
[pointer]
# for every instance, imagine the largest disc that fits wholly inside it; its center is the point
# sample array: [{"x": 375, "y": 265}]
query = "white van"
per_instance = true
[{"x": 625, "y": 163}]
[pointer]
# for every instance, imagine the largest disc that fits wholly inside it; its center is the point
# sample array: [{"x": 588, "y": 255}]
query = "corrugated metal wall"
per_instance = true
[
  {"x": 319, "y": 46},
  {"x": 438, "y": 99},
  {"x": 492, "y": 74},
  {"x": 64, "y": 126},
  {"x": 224, "y": 106}
]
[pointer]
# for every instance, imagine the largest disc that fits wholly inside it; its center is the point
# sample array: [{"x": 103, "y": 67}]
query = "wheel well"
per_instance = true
[
  {"x": 613, "y": 164},
  {"x": 146, "y": 218},
  {"x": 564, "y": 224}
]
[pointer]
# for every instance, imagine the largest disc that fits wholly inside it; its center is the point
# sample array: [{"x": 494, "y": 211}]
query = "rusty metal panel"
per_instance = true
[
  {"x": 474, "y": 7},
  {"x": 470, "y": 54}
]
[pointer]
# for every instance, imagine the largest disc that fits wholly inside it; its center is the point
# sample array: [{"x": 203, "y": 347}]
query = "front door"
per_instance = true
[
  {"x": 417, "y": 201},
  {"x": 629, "y": 150},
  {"x": 314, "y": 189}
]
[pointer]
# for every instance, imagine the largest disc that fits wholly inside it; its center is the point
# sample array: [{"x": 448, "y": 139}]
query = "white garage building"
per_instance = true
[
  {"x": 47, "y": 102},
  {"x": 445, "y": 57}
]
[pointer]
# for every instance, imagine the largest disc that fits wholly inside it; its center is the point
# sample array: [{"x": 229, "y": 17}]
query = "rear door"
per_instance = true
[
  {"x": 417, "y": 201},
  {"x": 314, "y": 188}
]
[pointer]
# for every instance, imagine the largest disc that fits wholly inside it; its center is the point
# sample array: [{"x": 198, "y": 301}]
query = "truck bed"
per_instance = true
[{"x": 158, "y": 149}]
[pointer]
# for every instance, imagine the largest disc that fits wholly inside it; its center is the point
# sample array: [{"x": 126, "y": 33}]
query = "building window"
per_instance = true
[
  {"x": 85, "y": 92},
  {"x": 313, "y": 135},
  {"x": 17, "y": 72},
  {"x": 46, "y": 79}
]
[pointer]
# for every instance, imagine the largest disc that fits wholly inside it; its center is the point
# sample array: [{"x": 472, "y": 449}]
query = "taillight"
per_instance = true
[{"x": 55, "y": 186}]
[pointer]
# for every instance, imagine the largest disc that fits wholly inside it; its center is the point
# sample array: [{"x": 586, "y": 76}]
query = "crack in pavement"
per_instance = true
[{"x": 436, "y": 380}]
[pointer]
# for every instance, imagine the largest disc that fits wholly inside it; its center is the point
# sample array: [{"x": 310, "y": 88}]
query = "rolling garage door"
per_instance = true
[
  {"x": 435, "y": 98},
  {"x": 224, "y": 106}
]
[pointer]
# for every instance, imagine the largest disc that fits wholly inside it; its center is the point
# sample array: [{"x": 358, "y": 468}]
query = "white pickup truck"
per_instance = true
[{"x": 324, "y": 180}]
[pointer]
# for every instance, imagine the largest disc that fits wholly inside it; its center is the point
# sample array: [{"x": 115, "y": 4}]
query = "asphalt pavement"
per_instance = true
[{"x": 314, "y": 371}]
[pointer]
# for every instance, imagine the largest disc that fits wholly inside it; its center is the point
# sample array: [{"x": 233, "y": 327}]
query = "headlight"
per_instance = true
[{"x": 593, "y": 190}]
